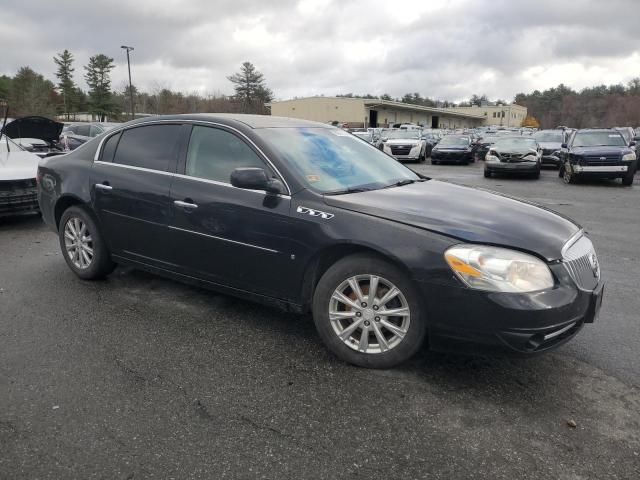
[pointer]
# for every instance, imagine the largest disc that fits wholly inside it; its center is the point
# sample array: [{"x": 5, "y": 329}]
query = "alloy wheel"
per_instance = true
[
  {"x": 369, "y": 314},
  {"x": 78, "y": 243}
]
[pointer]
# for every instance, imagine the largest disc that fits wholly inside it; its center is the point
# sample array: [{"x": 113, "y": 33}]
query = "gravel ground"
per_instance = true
[{"x": 141, "y": 377}]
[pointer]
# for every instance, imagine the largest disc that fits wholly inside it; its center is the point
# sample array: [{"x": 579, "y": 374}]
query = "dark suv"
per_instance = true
[{"x": 597, "y": 153}]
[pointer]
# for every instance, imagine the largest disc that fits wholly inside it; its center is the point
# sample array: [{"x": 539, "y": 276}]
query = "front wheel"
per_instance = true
[
  {"x": 627, "y": 180},
  {"x": 82, "y": 245},
  {"x": 487, "y": 174},
  {"x": 368, "y": 313},
  {"x": 568, "y": 176}
]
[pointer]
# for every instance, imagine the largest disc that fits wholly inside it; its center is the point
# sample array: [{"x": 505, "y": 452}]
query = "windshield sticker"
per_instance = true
[
  {"x": 313, "y": 178},
  {"x": 340, "y": 133}
]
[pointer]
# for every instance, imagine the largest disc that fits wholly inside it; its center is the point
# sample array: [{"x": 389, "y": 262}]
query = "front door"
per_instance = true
[
  {"x": 131, "y": 185},
  {"x": 226, "y": 235}
]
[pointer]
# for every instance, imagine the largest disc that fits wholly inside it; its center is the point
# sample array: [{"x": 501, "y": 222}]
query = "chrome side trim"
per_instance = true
[
  {"x": 228, "y": 185},
  {"x": 223, "y": 239},
  {"x": 131, "y": 167},
  {"x": 549, "y": 336},
  {"x": 191, "y": 122}
]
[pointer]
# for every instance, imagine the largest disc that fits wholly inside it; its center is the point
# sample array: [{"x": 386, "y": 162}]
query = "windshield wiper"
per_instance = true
[
  {"x": 349, "y": 190},
  {"x": 406, "y": 181}
]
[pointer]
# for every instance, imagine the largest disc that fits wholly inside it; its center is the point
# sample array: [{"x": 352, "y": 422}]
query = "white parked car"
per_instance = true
[
  {"x": 406, "y": 145},
  {"x": 18, "y": 170}
]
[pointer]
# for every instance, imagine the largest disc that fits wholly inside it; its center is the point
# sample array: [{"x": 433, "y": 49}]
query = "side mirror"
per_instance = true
[
  {"x": 564, "y": 145},
  {"x": 632, "y": 143},
  {"x": 255, "y": 179}
]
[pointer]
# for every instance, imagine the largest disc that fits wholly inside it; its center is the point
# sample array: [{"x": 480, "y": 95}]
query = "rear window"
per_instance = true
[
  {"x": 109, "y": 148},
  {"x": 152, "y": 146}
]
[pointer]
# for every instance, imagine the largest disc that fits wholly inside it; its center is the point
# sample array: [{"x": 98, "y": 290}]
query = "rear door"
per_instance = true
[
  {"x": 131, "y": 184},
  {"x": 226, "y": 235}
]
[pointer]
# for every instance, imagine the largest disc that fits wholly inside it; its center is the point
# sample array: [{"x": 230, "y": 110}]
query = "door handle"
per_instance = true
[
  {"x": 104, "y": 186},
  {"x": 182, "y": 204}
]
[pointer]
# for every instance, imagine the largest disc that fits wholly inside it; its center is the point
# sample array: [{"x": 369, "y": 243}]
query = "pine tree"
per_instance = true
[
  {"x": 66, "y": 85},
  {"x": 251, "y": 90},
  {"x": 99, "y": 81}
]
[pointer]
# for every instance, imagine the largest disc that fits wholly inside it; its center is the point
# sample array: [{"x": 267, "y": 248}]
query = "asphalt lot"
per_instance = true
[{"x": 141, "y": 377}]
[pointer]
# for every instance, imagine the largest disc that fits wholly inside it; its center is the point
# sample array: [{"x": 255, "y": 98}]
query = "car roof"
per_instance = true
[{"x": 246, "y": 120}]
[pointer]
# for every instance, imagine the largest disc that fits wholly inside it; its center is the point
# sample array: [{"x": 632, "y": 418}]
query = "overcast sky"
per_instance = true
[{"x": 444, "y": 49}]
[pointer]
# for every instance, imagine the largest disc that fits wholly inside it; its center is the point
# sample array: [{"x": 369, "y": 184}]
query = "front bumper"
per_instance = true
[
  {"x": 521, "y": 323},
  {"x": 462, "y": 156},
  {"x": 18, "y": 197},
  {"x": 618, "y": 169},
  {"x": 511, "y": 167}
]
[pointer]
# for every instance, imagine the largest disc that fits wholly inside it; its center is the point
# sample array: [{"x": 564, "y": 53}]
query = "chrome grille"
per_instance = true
[{"x": 580, "y": 260}]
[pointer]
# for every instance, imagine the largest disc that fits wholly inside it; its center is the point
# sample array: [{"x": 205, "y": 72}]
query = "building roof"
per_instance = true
[{"x": 375, "y": 102}]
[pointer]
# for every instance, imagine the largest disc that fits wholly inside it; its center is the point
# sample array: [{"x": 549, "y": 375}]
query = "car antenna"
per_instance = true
[{"x": 4, "y": 122}]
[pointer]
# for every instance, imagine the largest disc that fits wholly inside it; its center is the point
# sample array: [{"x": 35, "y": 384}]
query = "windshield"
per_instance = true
[
  {"x": 555, "y": 137},
  {"x": 517, "y": 143},
  {"x": 604, "y": 138},
  {"x": 455, "y": 141},
  {"x": 332, "y": 161},
  {"x": 403, "y": 134},
  {"x": 7, "y": 145}
]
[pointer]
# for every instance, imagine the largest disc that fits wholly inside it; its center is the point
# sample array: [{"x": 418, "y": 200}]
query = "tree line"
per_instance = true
[{"x": 30, "y": 93}]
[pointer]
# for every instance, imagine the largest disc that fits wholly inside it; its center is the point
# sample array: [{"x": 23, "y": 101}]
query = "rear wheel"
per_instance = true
[
  {"x": 367, "y": 312},
  {"x": 83, "y": 246}
]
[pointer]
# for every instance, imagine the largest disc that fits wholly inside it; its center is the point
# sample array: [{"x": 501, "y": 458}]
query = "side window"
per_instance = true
[
  {"x": 152, "y": 146},
  {"x": 214, "y": 154},
  {"x": 109, "y": 148}
]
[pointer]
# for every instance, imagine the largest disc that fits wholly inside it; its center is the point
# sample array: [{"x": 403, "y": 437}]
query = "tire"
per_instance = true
[
  {"x": 560, "y": 171},
  {"x": 568, "y": 177},
  {"x": 487, "y": 173},
  {"x": 96, "y": 262},
  {"x": 410, "y": 328},
  {"x": 627, "y": 180},
  {"x": 536, "y": 175}
]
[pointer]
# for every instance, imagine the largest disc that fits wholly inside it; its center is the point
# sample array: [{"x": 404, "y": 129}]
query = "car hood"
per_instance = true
[
  {"x": 467, "y": 214},
  {"x": 603, "y": 151},
  {"x": 513, "y": 151},
  {"x": 18, "y": 165},
  {"x": 34, "y": 127},
  {"x": 402, "y": 141}
]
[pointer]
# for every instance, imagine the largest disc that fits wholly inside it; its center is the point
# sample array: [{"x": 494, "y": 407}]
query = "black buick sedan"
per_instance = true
[{"x": 307, "y": 217}]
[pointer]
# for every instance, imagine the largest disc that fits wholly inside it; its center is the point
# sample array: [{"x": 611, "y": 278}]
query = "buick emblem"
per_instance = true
[
  {"x": 603, "y": 158},
  {"x": 595, "y": 266}
]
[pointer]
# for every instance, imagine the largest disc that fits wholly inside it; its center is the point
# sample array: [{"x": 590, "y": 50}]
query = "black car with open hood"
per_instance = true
[{"x": 306, "y": 217}]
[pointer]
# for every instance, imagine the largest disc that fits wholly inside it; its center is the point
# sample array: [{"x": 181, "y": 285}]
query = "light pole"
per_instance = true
[{"x": 128, "y": 49}]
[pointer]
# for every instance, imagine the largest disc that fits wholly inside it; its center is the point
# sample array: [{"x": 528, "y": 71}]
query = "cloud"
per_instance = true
[{"x": 446, "y": 49}]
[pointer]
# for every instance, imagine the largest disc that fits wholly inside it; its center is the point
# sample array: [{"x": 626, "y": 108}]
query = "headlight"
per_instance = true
[
  {"x": 491, "y": 158},
  {"x": 498, "y": 269},
  {"x": 629, "y": 157}
]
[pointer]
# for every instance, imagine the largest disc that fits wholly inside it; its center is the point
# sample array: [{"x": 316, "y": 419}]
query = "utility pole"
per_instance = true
[{"x": 128, "y": 49}]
